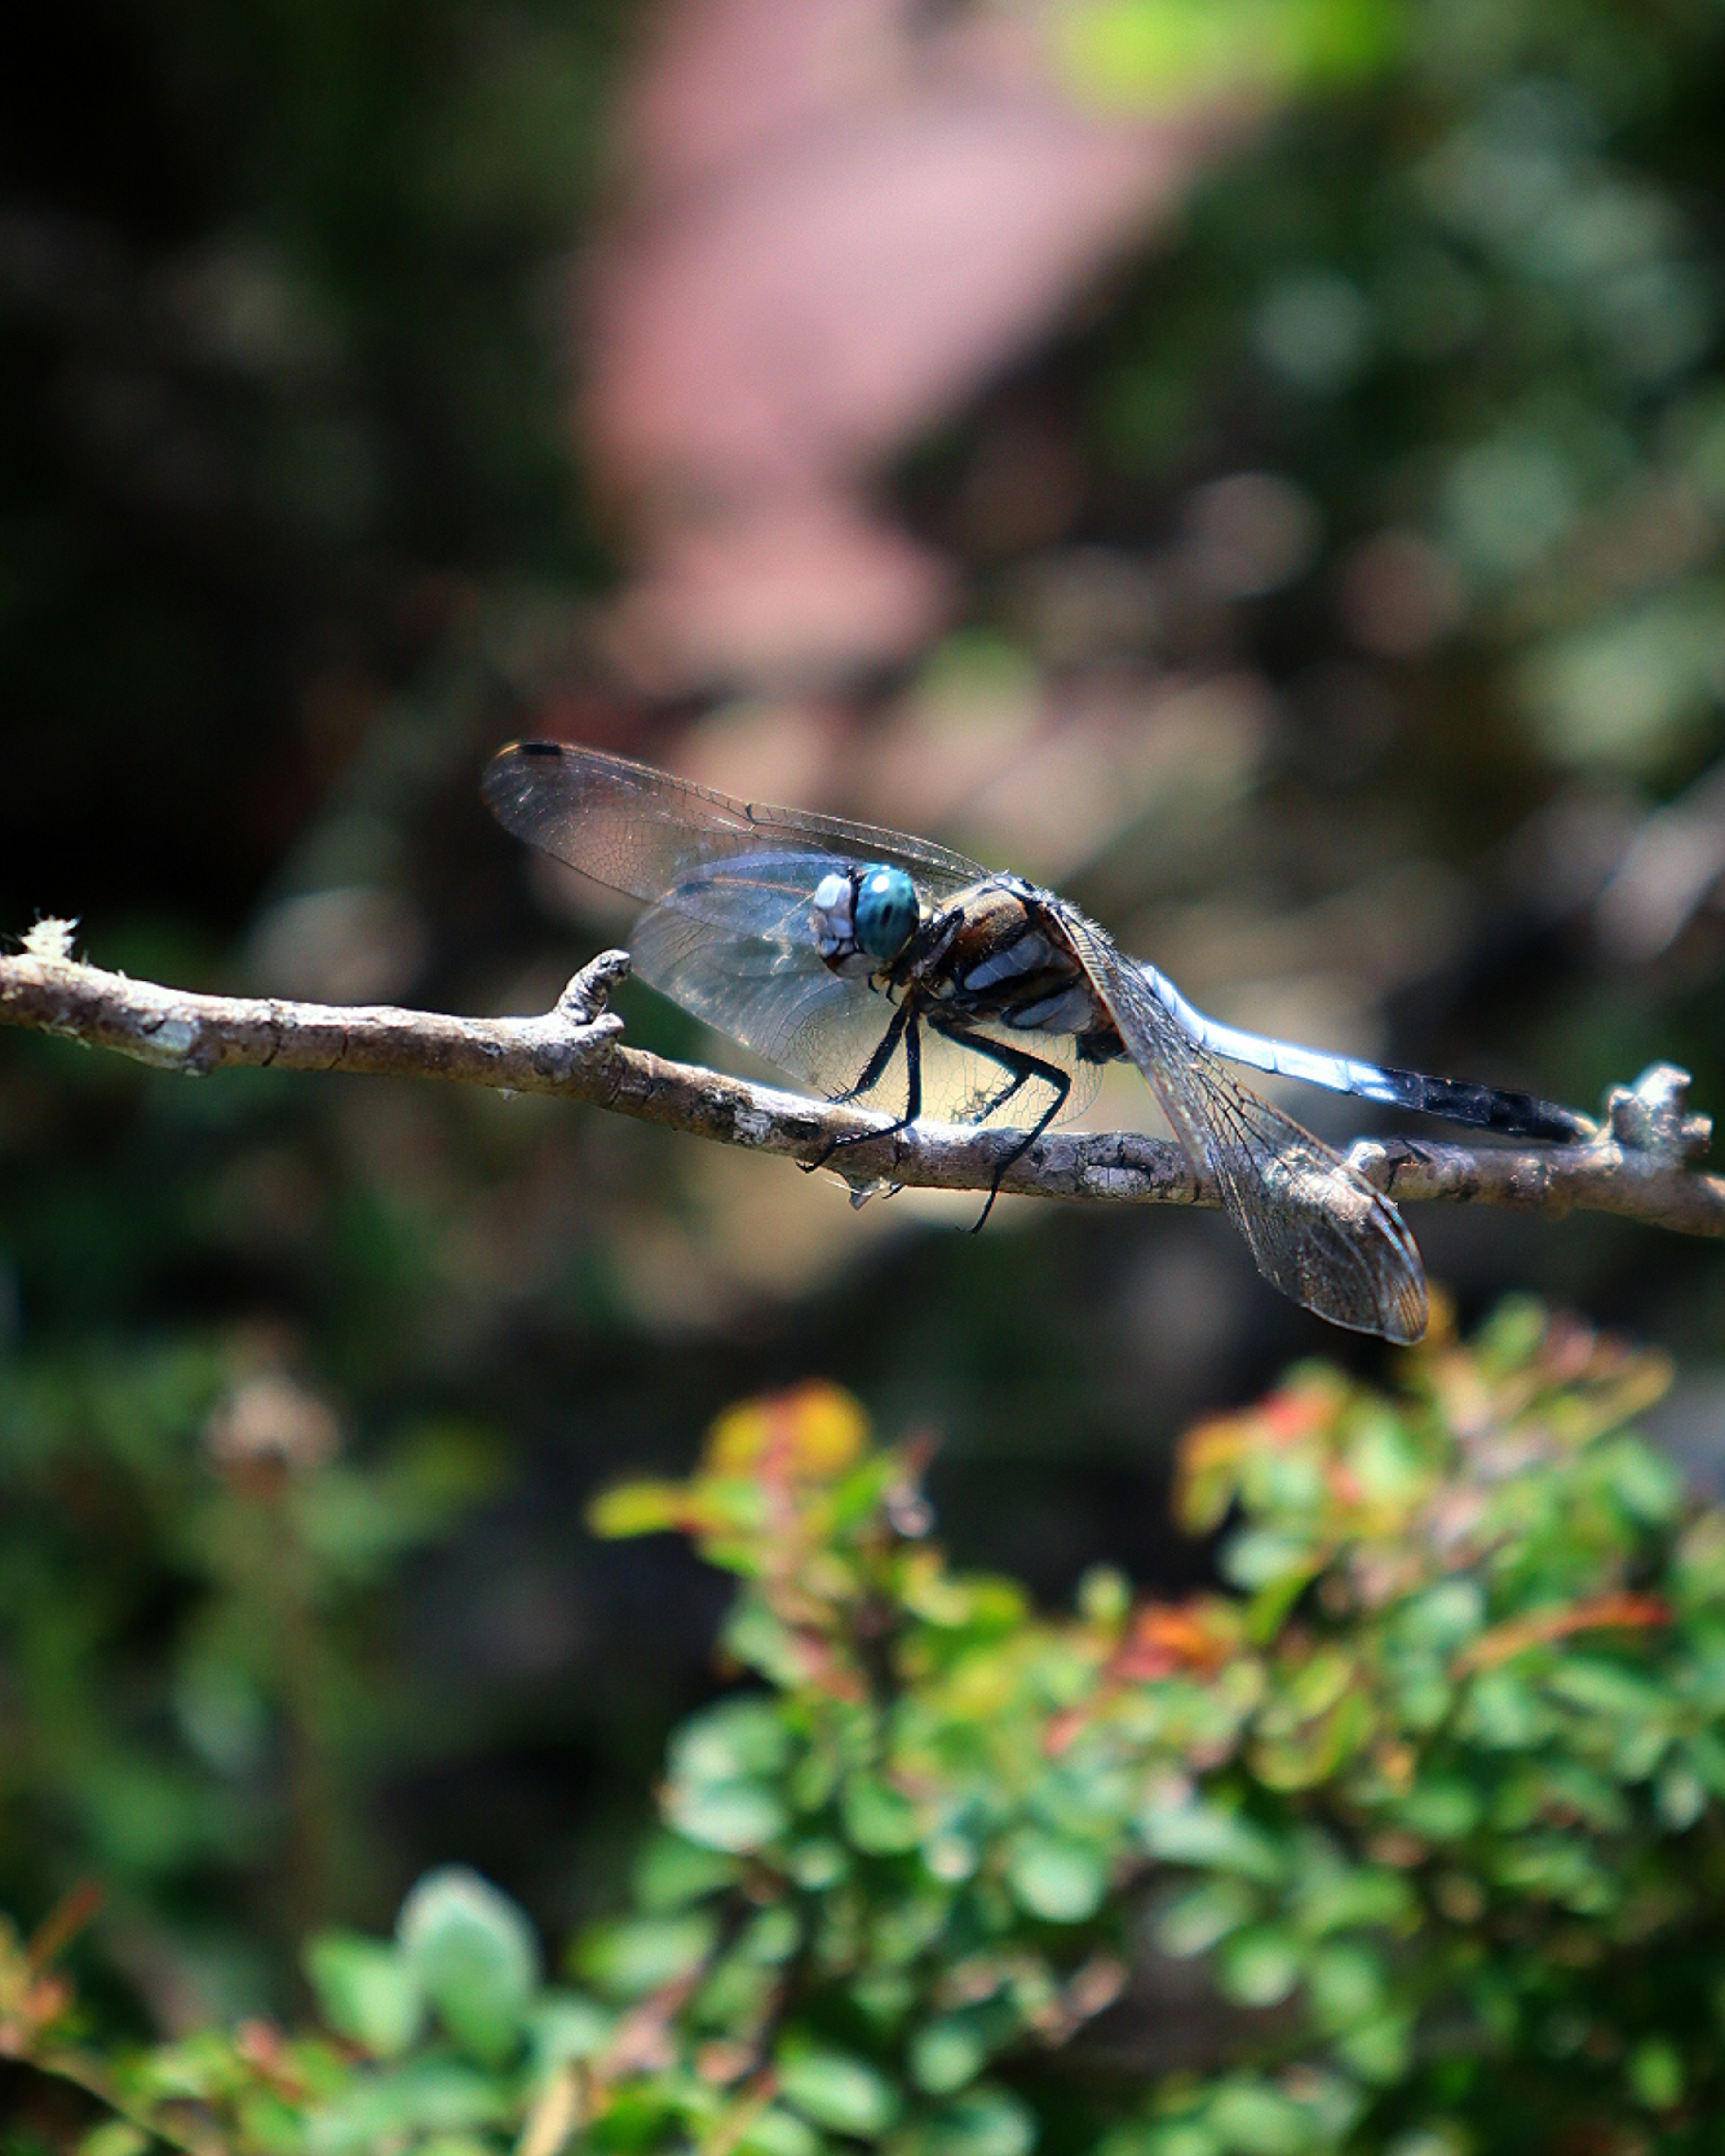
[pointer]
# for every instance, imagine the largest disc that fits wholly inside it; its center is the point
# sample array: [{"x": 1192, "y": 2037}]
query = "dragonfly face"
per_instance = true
[
  {"x": 871, "y": 964},
  {"x": 870, "y": 913}
]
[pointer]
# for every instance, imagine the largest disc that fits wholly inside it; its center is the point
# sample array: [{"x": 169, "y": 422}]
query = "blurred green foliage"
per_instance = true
[
  {"x": 1423, "y": 1818},
  {"x": 198, "y": 1665},
  {"x": 1140, "y": 53}
]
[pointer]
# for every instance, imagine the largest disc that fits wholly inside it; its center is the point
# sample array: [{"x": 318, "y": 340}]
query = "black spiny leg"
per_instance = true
[
  {"x": 905, "y": 1027},
  {"x": 1022, "y": 1066}
]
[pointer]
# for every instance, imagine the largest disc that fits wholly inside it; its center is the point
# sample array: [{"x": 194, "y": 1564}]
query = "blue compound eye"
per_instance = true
[{"x": 886, "y": 912}]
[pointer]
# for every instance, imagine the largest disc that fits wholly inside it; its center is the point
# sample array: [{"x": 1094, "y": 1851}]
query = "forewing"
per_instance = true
[
  {"x": 642, "y": 831},
  {"x": 772, "y": 993},
  {"x": 1316, "y": 1228}
]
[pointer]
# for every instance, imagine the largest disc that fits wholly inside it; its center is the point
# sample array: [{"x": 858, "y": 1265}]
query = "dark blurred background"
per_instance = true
[{"x": 1260, "y": 466}]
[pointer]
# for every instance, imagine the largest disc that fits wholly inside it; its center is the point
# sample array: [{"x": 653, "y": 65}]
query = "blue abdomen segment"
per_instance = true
[{"x": 1484, "y": 1107}]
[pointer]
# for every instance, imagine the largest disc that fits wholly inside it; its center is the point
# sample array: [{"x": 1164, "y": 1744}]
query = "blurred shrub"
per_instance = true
[
  {"x": 1411, "y": 1841},
  {"x": 194, "y": 1693}
]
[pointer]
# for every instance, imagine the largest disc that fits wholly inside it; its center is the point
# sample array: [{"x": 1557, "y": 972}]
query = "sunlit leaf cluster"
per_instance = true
[{"x": 1418, "y": 1818}]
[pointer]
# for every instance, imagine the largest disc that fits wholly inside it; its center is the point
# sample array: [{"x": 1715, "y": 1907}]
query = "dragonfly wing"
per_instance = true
[
  {"x": 1316, "y": 1228},
  {"x": 642, "y": 831},
  {"x": 772, "y": 993}
]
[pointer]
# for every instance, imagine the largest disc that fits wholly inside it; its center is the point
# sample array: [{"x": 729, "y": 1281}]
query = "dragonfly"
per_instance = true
[{"x": 846, "y": 953}]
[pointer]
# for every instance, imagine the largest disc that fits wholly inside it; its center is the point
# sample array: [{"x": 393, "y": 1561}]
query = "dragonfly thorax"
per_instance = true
[{"x": 1000, "y": 954}]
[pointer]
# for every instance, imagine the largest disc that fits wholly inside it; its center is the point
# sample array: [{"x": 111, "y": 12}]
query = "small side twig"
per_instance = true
[{"x": 1637, "y": 1167}]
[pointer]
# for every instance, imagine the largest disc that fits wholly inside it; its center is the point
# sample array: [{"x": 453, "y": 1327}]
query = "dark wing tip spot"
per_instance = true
[
  {"x": 511, "y": 780},
  {"x": 504, "y": 770}
]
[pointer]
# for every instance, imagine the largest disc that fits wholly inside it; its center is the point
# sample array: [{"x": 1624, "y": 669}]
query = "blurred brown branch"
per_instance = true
[{"x": 1636, "y": 1167}]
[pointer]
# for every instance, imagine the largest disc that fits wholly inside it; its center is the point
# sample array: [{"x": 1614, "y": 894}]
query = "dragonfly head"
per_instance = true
[
  {"x": 886, "y": 911},
  {"x": 872, "y": 911}
]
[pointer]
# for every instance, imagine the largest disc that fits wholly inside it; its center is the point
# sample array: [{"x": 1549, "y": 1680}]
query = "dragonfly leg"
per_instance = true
[
  {"x": 884, "y": 1050},
  {"x": 996, "y": 1101},
  {"x": 1021, "y": 1067},
  {"x": 906, "y": 1028}
]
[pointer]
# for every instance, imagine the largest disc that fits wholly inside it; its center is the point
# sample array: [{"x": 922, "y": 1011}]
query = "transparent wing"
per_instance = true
[
  {"x": 641, "y": 831},
  {"x": 731, "y": 944},
  {"x": 1316, "y": 1229},
  {"x": 771, "y": 993}
]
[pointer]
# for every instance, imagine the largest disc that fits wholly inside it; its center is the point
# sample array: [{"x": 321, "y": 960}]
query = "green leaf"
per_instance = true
[
  {"x": 1300, "y": 1757},
  {"x": 947, "y": 2053},
  {"x": 1431, "y": 2140},
  {"x": 1705, "y": 1753},
  {"x": 1348, "y": 1899},
  {"x": 476, "y": 1957},
  {"x": 1679, "y": 1797},
  {"x": 1147, "y": 55},
  {"x": 563, "y": 2026},
  {"x": 1345, "y": 1985},
  {"x": 632, "y": 1956},
  {"x": 907, "y": 1925},
  {"x": 777, "y": 2131},
  {"x": 1378, "y": 2050},
  {"x": 720, "y": 1763},
  {"x": 1256, "y": 1557},
  {"x": 637, "y": 1508},
  {"x": 883, "y": 1997},
  {"x": 1644, "y": 1482},
  {"x": 1258, "y": 1966},
  {"x": 736, "y": 1817},
  {"x": 1180, "y": 2137},
  {"x": 642, "y": 2115},
  {"x": 427, "y": 2097},
  {"x": 1699, "y": 1568},
  {"x": 813, "y": 1779},
  {"x": 1443, "y": 1616},
  {"x": 1205, "y": 1835},
  {"x": 1504, "y": 1713},
  {"x": 842, "y": 2093},
  {"x": 753, "y": 1636},
  {"x": 734, "y": 1995},
  {"x": 366, "y": 1990},
  {"x": 671, "y": 1872},
  {"x": 740, "y": 1740},
  {"x": 1255, "y": 2121},
  {"x": 952, "y": 1858},
  {"x": 1560, "y": 1867},
  {"x": 985, "y": 2121},
  {"x": 114, "y": 2136},
  {"x": 878, "y": 1819},
  {"x": 1655, "y": 2074},
  {"x": 1601, "y": 1687},
  {"x": 817, "y": 1864},
  {"x": 1192, "y": 1923},
  {"x": 1440, "y": 1811},
  {"x": 773, "y": 1938},
  {"x": 1062, "y": 1881}
]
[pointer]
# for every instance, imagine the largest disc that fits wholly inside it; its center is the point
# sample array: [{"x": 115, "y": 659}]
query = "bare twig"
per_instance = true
[{"x": 1637, "y": 1166}]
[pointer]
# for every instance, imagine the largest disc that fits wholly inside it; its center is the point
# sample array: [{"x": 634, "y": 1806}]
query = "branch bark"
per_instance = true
[{"x": 1637, "y": 1166}]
